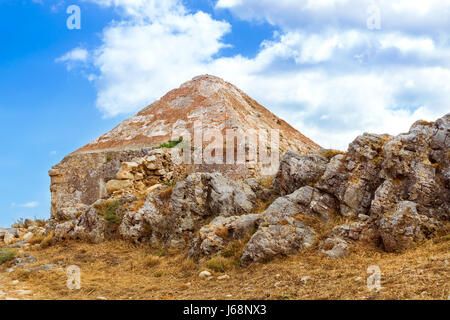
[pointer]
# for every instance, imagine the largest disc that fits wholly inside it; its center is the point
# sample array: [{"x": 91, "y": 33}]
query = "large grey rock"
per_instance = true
[
  {"x": 296, "y": 171},
  {"x": 215, "y": 236},
  {"x": 281, "y": 227},
  {"x": 402, "y": 228},
  {"x": 353, "y": 178},
  {"x": 275, "y": 239}
]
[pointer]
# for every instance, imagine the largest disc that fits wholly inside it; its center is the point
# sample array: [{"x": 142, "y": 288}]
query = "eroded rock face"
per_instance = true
[{"x": 173, "y": 220}]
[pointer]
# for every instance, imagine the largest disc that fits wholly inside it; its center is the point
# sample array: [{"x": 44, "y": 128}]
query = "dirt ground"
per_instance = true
[{"x": 120, "y": 270}]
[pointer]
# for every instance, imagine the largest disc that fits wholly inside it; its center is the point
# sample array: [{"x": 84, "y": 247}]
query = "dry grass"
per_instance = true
[
  {"x": 119, "y": 270},
  {"x": 151, "y": 261},
  {"x": 329, "y": 153}
]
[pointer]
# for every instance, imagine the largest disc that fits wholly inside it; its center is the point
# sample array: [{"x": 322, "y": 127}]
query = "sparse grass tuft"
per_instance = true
[
  {"x": 151, "y": 261},
  {"x": 47, "y": 241},
  {"x": 329, "y": 153},
  {"x": 219, "y": 264}
]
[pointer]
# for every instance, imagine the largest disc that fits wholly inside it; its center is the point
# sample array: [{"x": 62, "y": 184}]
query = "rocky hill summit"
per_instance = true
[
  {"x": 206, "y": 101},
  {"x": 390, "y": 192}
]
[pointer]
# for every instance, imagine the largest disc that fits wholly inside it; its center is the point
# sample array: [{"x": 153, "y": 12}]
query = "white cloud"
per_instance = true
[
  {"x": 32, "y": 204},
  {"x": 77, "y": 54},
  {"x": 405, "y": 15},
  {"x": 74, "y": 58},
  {"x": 332, "y": 83}
]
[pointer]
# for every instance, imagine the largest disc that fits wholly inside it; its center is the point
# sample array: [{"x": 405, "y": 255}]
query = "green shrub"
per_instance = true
[
  {"x": 171, "y": 143},
  {"x": 5, "y": 256},
  {"x": 109, "y": 211}
]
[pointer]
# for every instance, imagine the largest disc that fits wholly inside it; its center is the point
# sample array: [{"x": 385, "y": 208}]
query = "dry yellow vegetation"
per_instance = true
[{"x": 121, "y": 270}]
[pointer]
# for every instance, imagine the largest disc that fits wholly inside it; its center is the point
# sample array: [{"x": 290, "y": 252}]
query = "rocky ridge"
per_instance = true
[
  {"x": 391, "y": 192},
  {"x": 386, "y": 191}
]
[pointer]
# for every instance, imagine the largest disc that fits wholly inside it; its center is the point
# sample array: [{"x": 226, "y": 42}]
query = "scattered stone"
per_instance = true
[
  {"x": 305, "y": 278},
  {"x": 22, "y": 292},
  {"x": 28, "y": 236},
  {"x": 8, "y": 238},
  {"x": 204, "y": 274},
  {"x": 223, "y": 277},
  {"x": 363, "y": 217}
]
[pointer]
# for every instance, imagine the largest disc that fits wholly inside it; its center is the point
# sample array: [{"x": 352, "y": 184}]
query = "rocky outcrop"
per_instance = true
[
  {"x": 192, "y": 201},
  {"x": 392, "y": 192}
]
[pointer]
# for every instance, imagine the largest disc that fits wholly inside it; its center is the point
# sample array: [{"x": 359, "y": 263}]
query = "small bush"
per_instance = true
[
  {"x": 5, "y": 256},
  {"x": 109, "y": 211},
  {"x": 171, "y": 143},
  {"x": 36, "y": 239},
  {"x": 219, "y": 264},
  {"x": 158, "y": 274},
  {"x": 165, "y": 193},
  {"x": 161, "y": 252},
  {"x": 47, "y": 241},
  {"x": 151, "y": 261},
  {"x": 21, "y": 274}
]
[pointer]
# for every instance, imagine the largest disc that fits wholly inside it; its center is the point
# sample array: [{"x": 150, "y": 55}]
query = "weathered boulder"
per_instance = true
[
  {"x": 354, "y": 177},
  {"x": 4, "y": 231},
  {"x": 282, "y": 229},
  {"x": 274, "y": 239},
  {"x": 8, "y": 238},
  {"x": 414, "y": 169},
  {"x": 153, "y": 222},
  {"x": 296, "y": 171},
  {"x": 402, "y": 228},
  {"x": 215, "y": 236},
  {"x": 95, "y": 223}
]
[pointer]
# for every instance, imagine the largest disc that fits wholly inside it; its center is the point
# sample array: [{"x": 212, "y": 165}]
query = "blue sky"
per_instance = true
[{"x": 325, "y": 66}]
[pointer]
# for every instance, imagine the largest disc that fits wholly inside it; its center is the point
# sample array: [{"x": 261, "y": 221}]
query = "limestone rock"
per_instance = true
[
  {"x": 281, "y": 229},
  {"x": 401, "y": 229},
  {"x": 215, "y": 236},
  {"x": 8, "y": 238},
  {"x": 116, "y": 185},
  {"x": 296, "y": 171}
]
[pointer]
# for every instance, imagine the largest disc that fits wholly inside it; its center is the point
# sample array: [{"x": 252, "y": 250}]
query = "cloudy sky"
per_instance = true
[{"x": 332, "y": 68}]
